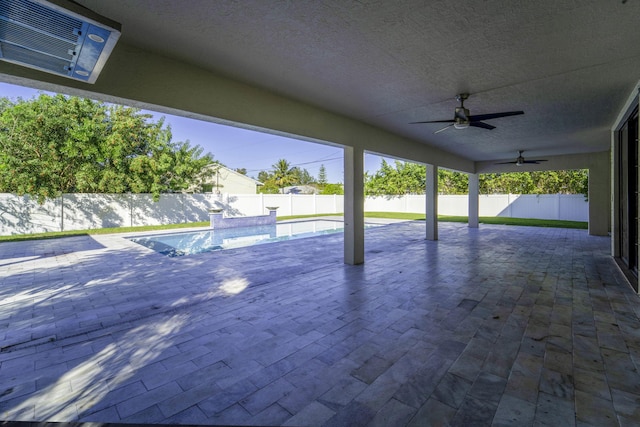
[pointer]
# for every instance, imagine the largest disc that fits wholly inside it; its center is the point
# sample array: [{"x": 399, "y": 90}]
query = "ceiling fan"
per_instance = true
[
  {"x": 462, "y": 119},
  {"x": 521, "y": 161}
]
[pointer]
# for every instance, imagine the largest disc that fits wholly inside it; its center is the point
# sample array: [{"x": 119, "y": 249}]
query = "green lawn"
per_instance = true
[
  {"x": 392, "y": 215},
  {"x": 59, "y": 234},
  {"x": 532, "y": 222}
]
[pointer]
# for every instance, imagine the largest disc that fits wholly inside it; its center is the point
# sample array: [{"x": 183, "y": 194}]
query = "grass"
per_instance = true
[
  {"x": 285, "y": 218},
  {"x": 392, "y": 215},
  {"x": 531, "y": 222},
  {"x": 60, "y": 234},
  {"x": 395, "y": 215}
]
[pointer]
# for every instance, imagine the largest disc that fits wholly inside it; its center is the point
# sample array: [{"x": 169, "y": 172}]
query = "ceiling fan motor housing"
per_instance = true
[{"x": 461, "y": 119}]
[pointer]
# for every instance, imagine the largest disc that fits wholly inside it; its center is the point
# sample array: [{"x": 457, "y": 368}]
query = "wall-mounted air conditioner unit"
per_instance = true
[{"x": 57, "y": 37}]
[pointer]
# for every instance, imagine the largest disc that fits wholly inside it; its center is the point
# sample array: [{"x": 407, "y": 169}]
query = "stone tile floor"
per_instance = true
[{"x": 492, "y": 326}]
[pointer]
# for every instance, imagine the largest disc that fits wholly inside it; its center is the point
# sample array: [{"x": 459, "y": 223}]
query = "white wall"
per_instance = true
[
  {"x": 231, "y": 182},
  {"x": 20, "y": 215}
]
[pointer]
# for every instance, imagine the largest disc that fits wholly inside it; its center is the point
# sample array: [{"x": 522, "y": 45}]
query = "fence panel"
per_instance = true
[
  {"x": 574, "y": 207},
  {"x": 383, "y": 204},
  {"x": 494, "y": 204},
  {"x": 21, "y": 215},
  {"x": 167, "y": 210},
  {"x": 544, "y": 206},
  {"x": 330, "y": 204},
  {"x": 239, "y": 204},
  {"x": 87, "y": 211},
  {"x": 304, "y": 204},
  {"x": 415, "y": 203},
  {"x": 281, "y": 201},
  {"x": 196, "y": 207},
  {"x": 453, "y": 205}
]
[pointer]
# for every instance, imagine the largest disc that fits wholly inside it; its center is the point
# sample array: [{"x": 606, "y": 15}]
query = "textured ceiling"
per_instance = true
[{"x": 570, "y": 65}]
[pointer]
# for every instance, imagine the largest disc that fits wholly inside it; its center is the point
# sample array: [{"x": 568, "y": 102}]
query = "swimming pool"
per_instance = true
[{"x": 180, "y": 244}]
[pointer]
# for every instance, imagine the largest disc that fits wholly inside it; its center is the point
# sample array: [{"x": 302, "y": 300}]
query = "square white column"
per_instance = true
[
  {"x": 432, "y": 202},
  {"x": 353, "y": 205},
  {"x": 474, "y": 203}
]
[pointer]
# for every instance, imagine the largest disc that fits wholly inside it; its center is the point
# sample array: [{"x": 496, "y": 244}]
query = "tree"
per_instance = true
[
  {"x": 283, "y": 174},
  {"x": 451, "y": 182},
  {"x": 322, "y": 175},
  {"x": 242, "y": 171},
  {"x": 539, "y": 182},
  {"x": 329, "y": 189},
  {"x": 401, "y": 178},
  {"x": 268, "y": 184},
  {"x": 269, "y": 187},
  {"x": 409, "y": 178},
  {"x": 55, "y": 144},
  {"x": 302, "y": 177},
  {"x": 264, "y": 176}
]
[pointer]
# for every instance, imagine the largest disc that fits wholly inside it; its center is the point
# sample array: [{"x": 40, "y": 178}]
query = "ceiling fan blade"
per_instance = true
[
  {"x": 433, "y": 121},
  {"x": 535, "y": 162},
  {"x": 444, "y": 128},
  {"x": 506, "y": 163},
  {"x": 482, "y": 125},
  {"x": 481, "y": 117}
]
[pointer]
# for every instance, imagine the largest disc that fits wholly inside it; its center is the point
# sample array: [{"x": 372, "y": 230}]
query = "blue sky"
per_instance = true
[{"x": 241, "y": 148}]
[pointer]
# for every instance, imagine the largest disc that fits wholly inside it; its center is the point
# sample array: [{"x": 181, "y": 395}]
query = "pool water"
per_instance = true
[{"x": 180, "y": 244}]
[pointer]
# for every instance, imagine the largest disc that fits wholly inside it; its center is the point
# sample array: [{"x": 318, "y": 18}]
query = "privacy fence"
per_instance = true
[{"x": 20, "y": 215}]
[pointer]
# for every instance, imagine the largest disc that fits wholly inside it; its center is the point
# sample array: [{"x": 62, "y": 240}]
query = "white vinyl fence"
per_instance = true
[{"x": 21, "y": 215}]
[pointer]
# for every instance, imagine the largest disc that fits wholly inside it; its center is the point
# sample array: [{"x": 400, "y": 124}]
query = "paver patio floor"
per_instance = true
[{"x": 491, "y": 326}]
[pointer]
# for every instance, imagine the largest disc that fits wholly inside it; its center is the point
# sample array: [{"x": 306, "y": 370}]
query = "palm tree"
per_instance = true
[{"x": 283, "y": 174}]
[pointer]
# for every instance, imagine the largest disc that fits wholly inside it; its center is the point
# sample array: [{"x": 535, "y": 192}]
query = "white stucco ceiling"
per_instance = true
[{"x": 569, "y": 64}]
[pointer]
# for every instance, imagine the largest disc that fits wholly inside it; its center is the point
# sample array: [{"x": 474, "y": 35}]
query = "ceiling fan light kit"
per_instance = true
[{"x": 462, "y": 119}]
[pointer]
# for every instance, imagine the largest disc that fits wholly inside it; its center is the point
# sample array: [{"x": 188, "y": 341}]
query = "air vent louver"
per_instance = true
[{"x": 47, "y": 37}]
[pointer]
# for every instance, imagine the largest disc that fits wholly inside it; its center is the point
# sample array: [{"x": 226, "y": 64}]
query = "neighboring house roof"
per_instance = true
[
  {"x": 301, "y": 189},
  {"x": 241, "y": 175}
]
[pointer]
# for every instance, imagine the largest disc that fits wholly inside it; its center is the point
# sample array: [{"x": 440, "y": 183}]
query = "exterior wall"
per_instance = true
[
  {"x": 231, "y": 182},
  {"x": 21, "y": 215}
]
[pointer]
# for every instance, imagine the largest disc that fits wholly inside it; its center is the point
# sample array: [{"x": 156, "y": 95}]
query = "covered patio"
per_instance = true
[
  {"x": 413, "y": 323},
  {"x": 494, "y": 325}
]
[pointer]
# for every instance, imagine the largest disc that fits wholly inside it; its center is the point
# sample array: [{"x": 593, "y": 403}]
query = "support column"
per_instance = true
[
  {"x": 353, "y": 205},
  {"x": 474, "y": 203},
  {"x": 432, "y": 202},
  {"x": 600, "y": 196}
]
